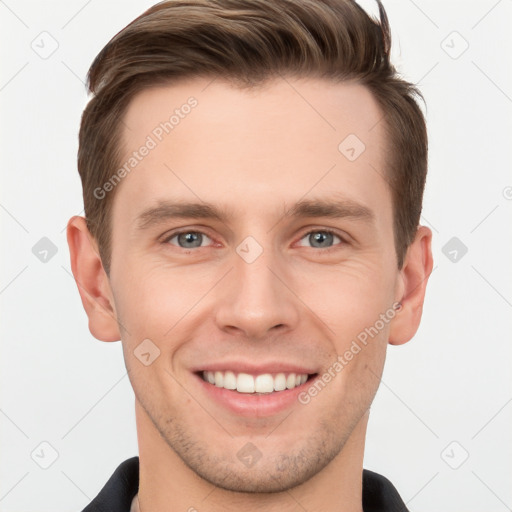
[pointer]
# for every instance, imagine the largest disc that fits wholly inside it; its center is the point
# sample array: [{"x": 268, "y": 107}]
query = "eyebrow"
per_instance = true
[{"x": 334, "y": 209}]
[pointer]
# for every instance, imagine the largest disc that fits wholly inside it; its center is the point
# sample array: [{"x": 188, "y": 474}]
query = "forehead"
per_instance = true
[{"x": 276, "y": 142}]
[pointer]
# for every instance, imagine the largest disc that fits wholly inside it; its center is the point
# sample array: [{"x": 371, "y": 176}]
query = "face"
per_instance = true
[{"x": 285, "y": 259}]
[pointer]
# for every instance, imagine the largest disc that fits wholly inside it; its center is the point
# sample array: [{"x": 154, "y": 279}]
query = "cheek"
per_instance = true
[
  {"x": 354, "y": 303},
  {"x": 348, "y": 297},
  {"x": 150, "y": 299}
]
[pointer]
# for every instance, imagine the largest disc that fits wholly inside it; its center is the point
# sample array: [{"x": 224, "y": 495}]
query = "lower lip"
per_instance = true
[{"x": 252, "y": 405}]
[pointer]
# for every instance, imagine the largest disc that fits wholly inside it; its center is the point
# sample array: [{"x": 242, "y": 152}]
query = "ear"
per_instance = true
[
  {"x": 413, "y": 283},
  {"x": 92, "y": 281}
]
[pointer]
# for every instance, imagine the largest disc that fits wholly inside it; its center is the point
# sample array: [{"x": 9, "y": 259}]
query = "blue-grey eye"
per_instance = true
[
  {"x": 321, "y": 239},
  {"x": 189, "y": 239}
]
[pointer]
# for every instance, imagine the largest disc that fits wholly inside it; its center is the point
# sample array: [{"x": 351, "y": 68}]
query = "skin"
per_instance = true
[{"x": 256, "y": 152}]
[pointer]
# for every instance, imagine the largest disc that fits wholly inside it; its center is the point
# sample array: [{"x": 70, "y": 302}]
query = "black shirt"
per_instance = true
[{"x": 379, "y": 495}]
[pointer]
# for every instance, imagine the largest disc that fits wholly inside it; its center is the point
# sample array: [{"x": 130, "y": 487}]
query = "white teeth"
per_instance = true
[
  {"x": 229, "y": 380},
  {"x": 264, "y": 383},
  {"x": 280, "y": 382},
  {"x": 245, "y": 383},
  {"x": 219, "y": 379}
]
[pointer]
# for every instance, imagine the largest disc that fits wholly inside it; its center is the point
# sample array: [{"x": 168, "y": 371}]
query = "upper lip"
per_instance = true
[{"x": 255, "y": 369}]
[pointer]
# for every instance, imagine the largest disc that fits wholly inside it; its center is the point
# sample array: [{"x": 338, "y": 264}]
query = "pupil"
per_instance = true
[
  {"x": 190, "y": 238},
  {"x": 319, "y": 237}
]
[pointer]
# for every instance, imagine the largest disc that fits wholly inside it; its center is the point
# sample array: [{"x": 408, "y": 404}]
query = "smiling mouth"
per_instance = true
[{"x": 262, "y": 384}]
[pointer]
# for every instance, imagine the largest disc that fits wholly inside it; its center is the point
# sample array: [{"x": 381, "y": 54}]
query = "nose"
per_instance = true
[{"x": 257, "y": 300}]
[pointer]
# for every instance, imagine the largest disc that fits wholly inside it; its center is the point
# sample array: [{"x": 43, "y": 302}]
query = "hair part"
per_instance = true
[{"x": 248, "y": 43}]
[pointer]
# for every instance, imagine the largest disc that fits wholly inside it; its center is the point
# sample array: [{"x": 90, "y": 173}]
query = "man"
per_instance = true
[{"x": 253, "y": 174}]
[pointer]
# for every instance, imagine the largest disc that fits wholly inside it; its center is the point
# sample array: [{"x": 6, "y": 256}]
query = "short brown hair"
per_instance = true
[{"x": 249, "y": 42}]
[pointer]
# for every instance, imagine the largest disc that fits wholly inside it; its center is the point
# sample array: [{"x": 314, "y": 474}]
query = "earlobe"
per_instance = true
[
  {"x": 92, "y": 281},
  {"x": 414, "y": 277}
]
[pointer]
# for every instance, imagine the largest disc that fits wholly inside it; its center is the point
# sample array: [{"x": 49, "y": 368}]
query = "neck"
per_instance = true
[{"x": 166, "y": 483}]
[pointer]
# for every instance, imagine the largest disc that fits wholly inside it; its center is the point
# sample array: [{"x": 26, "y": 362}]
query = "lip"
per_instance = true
[
  {"x": 255, "y": 369},
  {"x": 252, "y": 405}
]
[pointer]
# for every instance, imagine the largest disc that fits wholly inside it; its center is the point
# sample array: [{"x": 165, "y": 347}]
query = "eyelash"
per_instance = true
[{"x": 324, "y": 250}]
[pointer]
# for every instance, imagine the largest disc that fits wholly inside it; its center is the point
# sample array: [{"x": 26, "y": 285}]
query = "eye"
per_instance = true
[
  {"x": 188, "y": 239},
  {"x": 321, "y": 238},
  {"x": 318, "y": 238}
]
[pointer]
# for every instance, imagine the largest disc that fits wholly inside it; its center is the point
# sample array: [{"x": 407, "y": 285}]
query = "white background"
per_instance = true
[{"x": 449, "y": 387}]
